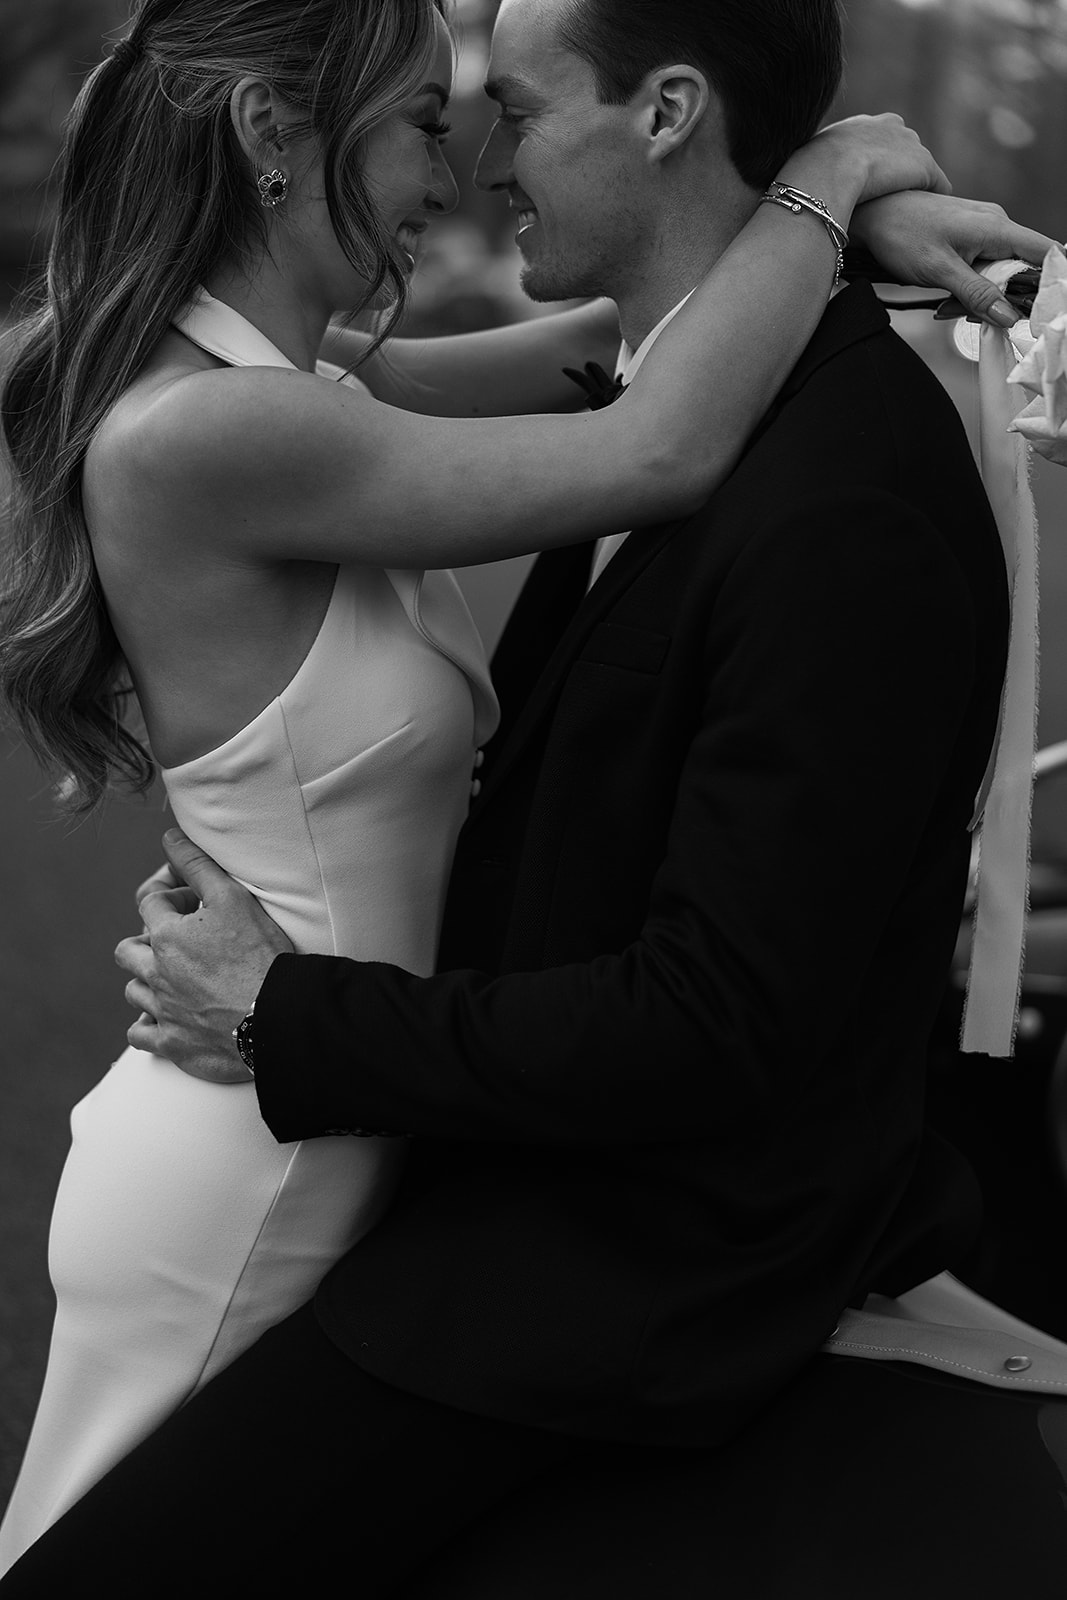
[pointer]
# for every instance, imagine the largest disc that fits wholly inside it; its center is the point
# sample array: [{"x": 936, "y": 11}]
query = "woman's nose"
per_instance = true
[{"x": 444, "y": 192}]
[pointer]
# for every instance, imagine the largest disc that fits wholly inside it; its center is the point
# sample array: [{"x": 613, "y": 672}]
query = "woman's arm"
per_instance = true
[
  {"x": 266, "y": 464},
  {"x": 922, "y": 237},
  {"x": 501, "y": 372},
  {"x": 931, "y": 239}
]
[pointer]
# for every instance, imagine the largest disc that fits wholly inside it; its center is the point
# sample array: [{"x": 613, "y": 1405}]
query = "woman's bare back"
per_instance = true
[{"x": 211, "y": 635}]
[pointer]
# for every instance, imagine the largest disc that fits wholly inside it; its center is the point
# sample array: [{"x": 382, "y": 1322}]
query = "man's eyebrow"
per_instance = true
[
  {"x": 438, "y": 89},
  {"x": 502, "y": 89}
]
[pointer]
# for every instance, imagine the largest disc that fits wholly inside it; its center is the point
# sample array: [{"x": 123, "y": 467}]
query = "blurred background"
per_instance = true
[{"x": 985, "y": 84}]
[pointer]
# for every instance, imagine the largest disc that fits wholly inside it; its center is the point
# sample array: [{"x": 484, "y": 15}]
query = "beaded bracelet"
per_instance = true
[{"x": 795, "y": 200}]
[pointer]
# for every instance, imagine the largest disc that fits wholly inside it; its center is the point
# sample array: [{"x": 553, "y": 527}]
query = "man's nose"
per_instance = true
[{"x": 494, "y": 169}]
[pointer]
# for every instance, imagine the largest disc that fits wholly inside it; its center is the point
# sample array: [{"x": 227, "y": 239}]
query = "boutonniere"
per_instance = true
[
  {"x": 1042, "y": 372},
  {"x": 598, "y": 388}
]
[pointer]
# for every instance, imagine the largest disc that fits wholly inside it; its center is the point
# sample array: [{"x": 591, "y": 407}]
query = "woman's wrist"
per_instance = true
[
  {"x": 797, "y": 201},
  {"x": 821, "y": 187},
  {"x": 832, "y": 171},
  {"x": 861, "y": 158}
]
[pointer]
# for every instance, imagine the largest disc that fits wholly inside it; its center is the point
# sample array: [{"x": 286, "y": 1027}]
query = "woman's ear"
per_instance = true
[
  {"x": 677, "y": 101},
  {"x": 254, "y": 112}
]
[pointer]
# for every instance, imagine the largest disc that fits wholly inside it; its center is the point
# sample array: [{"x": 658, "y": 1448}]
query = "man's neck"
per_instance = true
[
  {"x": 640, "y": 314},
  {"x": 685, "y": 254},
  {"x": 637, "y": 319}
]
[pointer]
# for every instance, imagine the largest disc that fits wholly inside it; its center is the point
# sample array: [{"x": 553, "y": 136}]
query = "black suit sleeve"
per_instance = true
[{"x": 839, "y": 665}]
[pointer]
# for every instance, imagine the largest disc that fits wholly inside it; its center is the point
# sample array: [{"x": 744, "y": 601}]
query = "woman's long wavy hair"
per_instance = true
[{"x": 155, "y": 194}]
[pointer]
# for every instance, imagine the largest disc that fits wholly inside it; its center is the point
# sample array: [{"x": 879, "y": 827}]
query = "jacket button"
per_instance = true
[{"x": 1017, "y": 1364}]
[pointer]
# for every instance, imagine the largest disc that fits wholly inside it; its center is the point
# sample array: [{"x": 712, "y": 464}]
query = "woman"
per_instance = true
[{"x": 202, "y": 509}]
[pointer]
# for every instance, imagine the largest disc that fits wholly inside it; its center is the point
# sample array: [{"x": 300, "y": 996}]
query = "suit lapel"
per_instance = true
[
  {"x": 547, "y": 601},
  {"x": 853, "y": 315},
  {"x": 639, "y": 549}
]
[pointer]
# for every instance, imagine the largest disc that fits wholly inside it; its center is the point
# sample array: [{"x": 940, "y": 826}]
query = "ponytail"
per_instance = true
[{"x": 155, "y": 195}]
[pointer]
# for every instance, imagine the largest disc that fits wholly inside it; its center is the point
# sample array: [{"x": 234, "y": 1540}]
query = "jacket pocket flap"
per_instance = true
[{"x": 614, "y": 644}]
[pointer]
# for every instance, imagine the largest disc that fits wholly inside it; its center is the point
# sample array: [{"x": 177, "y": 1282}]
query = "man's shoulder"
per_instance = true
[
  {"x": 870, "y": 410},
  {"x": 880, "y": 370},
  {"x": 868, "y": 424},
  {"x": 857, "y": 357}
]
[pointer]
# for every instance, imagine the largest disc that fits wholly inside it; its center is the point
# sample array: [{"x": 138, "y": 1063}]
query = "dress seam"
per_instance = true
[{"x": 279, "y": 1188}]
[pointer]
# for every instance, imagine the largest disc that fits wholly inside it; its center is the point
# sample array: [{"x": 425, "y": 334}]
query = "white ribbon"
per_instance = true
[{"x": 991, "y": 1011}]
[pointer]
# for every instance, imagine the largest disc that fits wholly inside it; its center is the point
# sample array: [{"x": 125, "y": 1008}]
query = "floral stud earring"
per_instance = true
[{"x": 273, "y": 188}]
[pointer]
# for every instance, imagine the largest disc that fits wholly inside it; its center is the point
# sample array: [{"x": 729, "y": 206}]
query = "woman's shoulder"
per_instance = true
[
  {"x": 190, "y": 428},
  {"x": 195, "y": 402}
]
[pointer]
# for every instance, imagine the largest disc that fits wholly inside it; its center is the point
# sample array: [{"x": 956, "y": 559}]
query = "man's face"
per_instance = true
[{"x": 568, "y": 164}]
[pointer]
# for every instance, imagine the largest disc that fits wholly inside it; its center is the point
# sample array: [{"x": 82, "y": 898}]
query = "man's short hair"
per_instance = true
[{"x": 775, "y": 64}]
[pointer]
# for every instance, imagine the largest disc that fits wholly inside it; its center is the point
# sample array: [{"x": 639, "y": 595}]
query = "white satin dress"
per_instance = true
[{"x": 182, "y": 1230}]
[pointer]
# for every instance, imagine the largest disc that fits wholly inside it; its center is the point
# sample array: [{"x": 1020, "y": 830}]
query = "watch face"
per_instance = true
[{"x": 242, "y": 1038}]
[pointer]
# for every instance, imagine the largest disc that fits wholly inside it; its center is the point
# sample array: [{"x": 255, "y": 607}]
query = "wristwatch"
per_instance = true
[{"x": 242, "y": 1038}]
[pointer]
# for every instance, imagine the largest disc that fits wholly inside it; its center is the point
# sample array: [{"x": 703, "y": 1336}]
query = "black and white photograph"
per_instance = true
[{"x": 533, "y": 813}]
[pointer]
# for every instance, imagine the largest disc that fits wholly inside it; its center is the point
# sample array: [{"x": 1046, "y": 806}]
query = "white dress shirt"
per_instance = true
[{"x": 627, "y": 367}]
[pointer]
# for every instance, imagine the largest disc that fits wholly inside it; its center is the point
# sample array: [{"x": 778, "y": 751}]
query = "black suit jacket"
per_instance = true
[{"x": 668, "y": 1099}]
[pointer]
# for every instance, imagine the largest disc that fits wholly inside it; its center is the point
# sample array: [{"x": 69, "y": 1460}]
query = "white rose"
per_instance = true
[{"x": 1042, "y": 372}]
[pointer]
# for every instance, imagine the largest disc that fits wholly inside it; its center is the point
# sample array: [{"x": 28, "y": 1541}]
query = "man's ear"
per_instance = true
[
  {"x": 676, "y": 100},
  {"x": 256, "y": 114}
]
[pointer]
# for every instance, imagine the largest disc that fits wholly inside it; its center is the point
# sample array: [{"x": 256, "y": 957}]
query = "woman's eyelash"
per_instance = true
[{"x": 437, "y": 130}]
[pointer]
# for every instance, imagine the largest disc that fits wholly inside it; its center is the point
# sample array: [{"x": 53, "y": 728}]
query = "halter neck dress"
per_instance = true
[{"x": 181, "y": 1229}]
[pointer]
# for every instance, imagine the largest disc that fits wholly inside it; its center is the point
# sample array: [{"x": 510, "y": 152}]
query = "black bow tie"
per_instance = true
[{"x": 598, "y": 388}]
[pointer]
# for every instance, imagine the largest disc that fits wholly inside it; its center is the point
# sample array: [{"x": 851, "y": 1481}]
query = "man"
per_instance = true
[{"x": 667, "y": 1090}]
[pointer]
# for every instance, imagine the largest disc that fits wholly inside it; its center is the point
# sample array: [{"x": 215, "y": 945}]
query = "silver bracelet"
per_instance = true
[{"x": 795, "y": 200}]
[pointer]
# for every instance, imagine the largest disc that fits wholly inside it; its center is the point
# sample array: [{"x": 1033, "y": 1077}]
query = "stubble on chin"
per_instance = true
[
  {"x": 535, "y": 287},
  {"x": 546, "y": 284}
]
